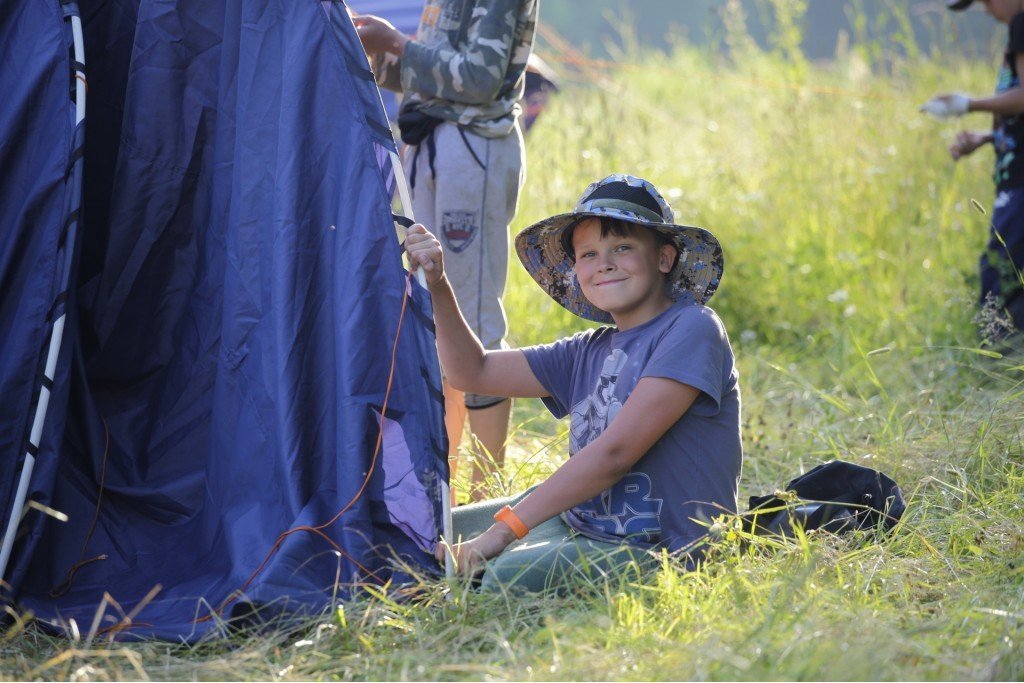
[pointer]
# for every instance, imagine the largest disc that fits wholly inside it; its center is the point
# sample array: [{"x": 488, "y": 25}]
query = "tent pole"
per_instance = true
[
  {"x": 34, "y": 439},
  {"x": 446, "y": 500},
  {"x": 57, "y": 334}
]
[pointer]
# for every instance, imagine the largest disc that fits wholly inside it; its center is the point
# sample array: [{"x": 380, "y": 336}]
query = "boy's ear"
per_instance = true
[{"x": 667, "y": 258}]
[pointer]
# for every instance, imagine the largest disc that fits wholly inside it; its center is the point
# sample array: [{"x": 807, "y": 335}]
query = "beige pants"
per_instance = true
[{"x": 468, "y": 202}]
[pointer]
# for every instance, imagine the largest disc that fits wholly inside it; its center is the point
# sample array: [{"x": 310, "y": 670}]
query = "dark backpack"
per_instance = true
[{"x": 836, "y": 496}]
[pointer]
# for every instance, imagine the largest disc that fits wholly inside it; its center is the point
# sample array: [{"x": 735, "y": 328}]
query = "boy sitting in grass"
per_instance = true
[{"x": 654, "y": 400}]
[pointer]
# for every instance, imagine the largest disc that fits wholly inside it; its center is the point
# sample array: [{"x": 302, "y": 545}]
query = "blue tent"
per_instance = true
[{"x": 211, "y": 357}]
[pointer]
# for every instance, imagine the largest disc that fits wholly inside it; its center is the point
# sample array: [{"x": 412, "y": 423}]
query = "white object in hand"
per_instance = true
[{"x": 947, "y": 106}]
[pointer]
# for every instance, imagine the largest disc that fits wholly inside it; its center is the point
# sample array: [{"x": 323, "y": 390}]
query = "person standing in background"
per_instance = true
[
  {"x": 463, "y": 77},
  {"x": 1002, "y": 262}
]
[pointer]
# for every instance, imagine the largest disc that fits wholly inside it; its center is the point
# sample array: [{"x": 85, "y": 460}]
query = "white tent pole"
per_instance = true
[
  {"x": 446, "y": 501},
  {"x": 34, "y": 439},
  {"x": 56, "y": 339}
]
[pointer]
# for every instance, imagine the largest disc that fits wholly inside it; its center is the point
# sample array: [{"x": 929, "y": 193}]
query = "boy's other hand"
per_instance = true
[
  {"x": 966, "y": 142},
  {"x": 379, "y": 35},
  {"x": 471, "y": 556},
  {"x": 425, "y": 252}
]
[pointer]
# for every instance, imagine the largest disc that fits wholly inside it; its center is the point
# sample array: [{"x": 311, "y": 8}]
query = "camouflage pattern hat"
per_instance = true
[{"x": 546, "y": 253}]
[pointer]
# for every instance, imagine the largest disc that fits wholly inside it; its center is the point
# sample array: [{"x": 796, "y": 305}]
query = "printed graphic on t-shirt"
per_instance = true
[
  {"x": 625, "y": 509},
  {"x": 458, "y": 228},
  {"x": 438, "y": 17},
  {"x": 591, "y": 415},
  {"x": 430, "y": 13}
]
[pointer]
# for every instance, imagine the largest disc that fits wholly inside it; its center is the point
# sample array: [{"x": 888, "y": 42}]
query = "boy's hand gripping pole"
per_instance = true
[{"x": 446, "y": 501}]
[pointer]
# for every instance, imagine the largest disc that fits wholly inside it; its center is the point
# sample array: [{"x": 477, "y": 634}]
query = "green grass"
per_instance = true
[{"x": 851, "y": 242}]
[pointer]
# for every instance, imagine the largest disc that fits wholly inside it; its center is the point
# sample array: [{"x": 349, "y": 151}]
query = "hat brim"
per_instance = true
[
  {"x": 958, "y": 5},
  {"x": 695, "y": 277}
]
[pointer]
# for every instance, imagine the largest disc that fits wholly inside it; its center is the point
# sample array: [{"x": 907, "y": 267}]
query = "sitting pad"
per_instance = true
[{"x": 552, "y": 557}]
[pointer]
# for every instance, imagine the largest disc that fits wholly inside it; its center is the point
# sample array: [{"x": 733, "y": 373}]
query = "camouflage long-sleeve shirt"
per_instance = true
[{"x": 467, "y": 62}]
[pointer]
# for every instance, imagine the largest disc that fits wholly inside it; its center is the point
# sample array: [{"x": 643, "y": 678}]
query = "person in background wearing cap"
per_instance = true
[
  {"x": 1002, "y": 262},
  {"x": 462, "y": 79},
  {"x": 653, "y": 396}
]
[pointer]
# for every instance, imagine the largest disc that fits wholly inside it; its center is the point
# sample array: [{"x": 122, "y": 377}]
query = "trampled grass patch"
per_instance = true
[{"x": 850, "y": 243}]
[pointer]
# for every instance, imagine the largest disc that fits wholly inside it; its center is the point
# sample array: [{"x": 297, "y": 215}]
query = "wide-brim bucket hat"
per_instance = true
[{"x": 542, "y": 247}]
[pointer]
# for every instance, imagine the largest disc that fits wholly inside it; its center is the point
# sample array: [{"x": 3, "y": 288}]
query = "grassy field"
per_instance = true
[{"x": 850, "y": 243}]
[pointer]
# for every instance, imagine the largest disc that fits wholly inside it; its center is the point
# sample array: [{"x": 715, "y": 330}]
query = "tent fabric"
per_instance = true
[
  {"x": 40, "y": 185},
  {"x": 229, "y": 354}
]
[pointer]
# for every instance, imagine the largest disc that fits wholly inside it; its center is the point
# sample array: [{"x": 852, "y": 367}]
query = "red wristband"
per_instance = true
[{"x": 509, "y": 518}]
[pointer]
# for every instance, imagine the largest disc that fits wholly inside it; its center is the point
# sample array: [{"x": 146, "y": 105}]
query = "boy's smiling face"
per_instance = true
[{"x": 622, "y": 275}]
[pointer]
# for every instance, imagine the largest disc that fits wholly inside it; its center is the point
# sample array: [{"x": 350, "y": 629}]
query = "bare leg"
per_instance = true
[
  {"x": 454, "y": 424},
  {"x": 490, "y": 428}
]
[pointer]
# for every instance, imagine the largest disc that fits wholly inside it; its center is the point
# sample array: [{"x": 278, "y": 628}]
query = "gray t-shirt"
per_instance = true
[{"x": 692, "y": 473}]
